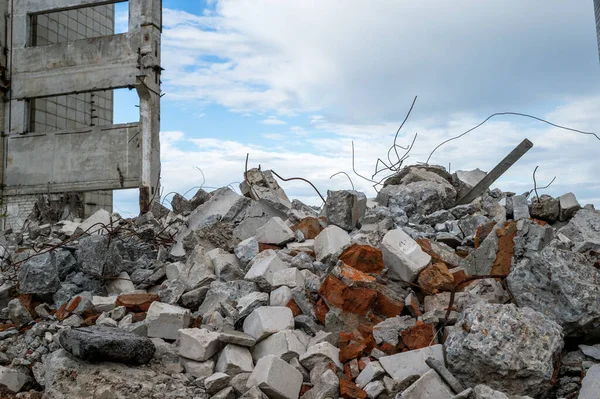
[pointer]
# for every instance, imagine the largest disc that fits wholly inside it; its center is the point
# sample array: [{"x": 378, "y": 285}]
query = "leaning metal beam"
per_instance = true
[{"x": 498, "y": 171}]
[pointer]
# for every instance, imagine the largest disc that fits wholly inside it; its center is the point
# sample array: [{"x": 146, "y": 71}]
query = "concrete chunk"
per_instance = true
[
  {"x": 13, "y": 379},
  {"x": 345, "y": 208},
  {"x": 276, "y": 378},
  {"x": 165, "y": 321},
  {"x": 263, "y": 269},
  {"x": 429, "y": 386},
  {"x": 216, "y": 382},
  {"x": 104, "y": 303},
  {"x": 568, "y": 206},
  {"x": 374, "y": 389},
  {"x": 120, "y": 285},
  {"x": 284, "y": 344},
  {"x": 200, "y": 370},
  {"x": 237, "y": 338},
  {"x": 198, "y": 344},
  {"x": 371, "y": 372},
  {"x": 281, "y": 296},
  {"x": 520, "y": 207},
  {"x": 268, "y": 320},
  {"x": 330, "y": 242},
  {"x": 405, "y": 364},
  {"x": 234, "y": 359},
  {"x": 402, "y": 255},
  {"x": 319, "y": 353},
  {"x": 95, "y": 223},
  {"x": 590, "y": 386},
  {"x": 275, "y": 232},
  {"x": 290, "y": 277}
]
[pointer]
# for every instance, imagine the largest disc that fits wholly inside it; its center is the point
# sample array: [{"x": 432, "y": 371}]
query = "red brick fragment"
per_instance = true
[
  {"x": 137, "y": 302},
  {"x": 321, "y": 310},
  {"x": 355, "y": 275},
  {"x": 263, "y": 247},
  {"x": 294, "y": 308},
  {"x": 349, "y": 390},
  {"x": 387, "y": 307},
  {"x": 364, "y": 258},
  {"x": 506, "y": 248},
  {"x": 305, "y": 388},
  {"x": 483, "y": 231},
  {"x": 309, "y": 226},
  {"x": 350, "y": 299},
  {"x": 436, "y": 278},
  {"x": 419, "y": 336}
]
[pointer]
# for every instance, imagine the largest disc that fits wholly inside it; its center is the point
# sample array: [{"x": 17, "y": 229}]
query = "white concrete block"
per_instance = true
[
  {"x": 104, "y": 303},
  {"x": 568, "y": 206},
  {"x": 320, "y": 353},
  {"x": 268, "y": 320},
  {"x": 405, "y": 364},
  {"x": 199, "y": 370},
  {"x": 234, "y": 359},
  {"x": 430, "y": 386},
  {"x": 275, "y": 232},
  {"x": 94, "y": 223},
  {"x": 331, "y": 241},
  {"x": 120, "y": 285},
  {"x": 280, "y": 297},
  {"x": 263, "y": 269},
  {"x": 164, "y": 321},
  {"x": 290, "y": 277},
  {"x": 276, "y": 378},
  {"x": 285, "y": 345},
  {"x": 402, "y": 255},
  {"x": 372, "y": 371},
  {"x": 198, "y": 344},
  {"x": 306, "y": 246}
]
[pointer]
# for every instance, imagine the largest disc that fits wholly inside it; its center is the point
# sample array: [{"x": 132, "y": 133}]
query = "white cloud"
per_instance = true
[
  {"x": 273, "y": 121},
  {"x": 366, "y": 61}
]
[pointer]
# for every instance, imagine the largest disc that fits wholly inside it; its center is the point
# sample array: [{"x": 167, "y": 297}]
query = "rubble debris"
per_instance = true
[
  {"x": 507, "y": 348},
  {"x": 568, "y": 206},
  {"x": 242, "y": 298}
]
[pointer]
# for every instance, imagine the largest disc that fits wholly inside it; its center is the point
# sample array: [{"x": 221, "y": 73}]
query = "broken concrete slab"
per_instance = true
[
  {"x": 284, "y": 344},
  {"x": 568, "y": 206},
  {"x": 583, "y": 230},
  {"x": 590, "y": 386},
  {"x": 430, "y": 385},
  {"x": 403, "y": 256},
  {"x": 323, "y": 352},
  {"x": 120, "y": 285},
  {"x": 274, "y": 232},
  {"x": 406, "y": 364},
  {"x": 264, "y": 267},
  {"x": 330, "y": 243},
  {"x": 268, "y": 320},
  {"x": 198, "y": 344},
  {"x": 520, "y": 207},
  {"x": 345, "y": 208},
  {"x": 12, "y": 379},
  {"x": 234, "y": 359},
  {"x": 529, "y": 340},
  {"x": 276, "y": 378},
  {"x": 165, "y": 321}
]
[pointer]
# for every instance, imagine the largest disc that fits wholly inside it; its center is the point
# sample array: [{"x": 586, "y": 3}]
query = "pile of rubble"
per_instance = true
[{"x": 252, "y": 296}]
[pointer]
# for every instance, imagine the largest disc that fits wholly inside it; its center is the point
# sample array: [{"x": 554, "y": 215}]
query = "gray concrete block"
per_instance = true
[
  {"x": 234, "y": 359},
  {"x": 284, "y": 344},
  {"x": 165, "y": 321},
  {"x": 330, "y": 242},
  {"x": 268, "y": 320},
  {"x": 275, "y": 232}
]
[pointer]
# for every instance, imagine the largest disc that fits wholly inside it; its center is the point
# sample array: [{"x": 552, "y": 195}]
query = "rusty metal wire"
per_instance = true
[
  {"x": 343, "y": 173},
  {"x": 535, "y": 187},
  {"x": 509, "y": 113},
  {"x": 302, "y": 179}
]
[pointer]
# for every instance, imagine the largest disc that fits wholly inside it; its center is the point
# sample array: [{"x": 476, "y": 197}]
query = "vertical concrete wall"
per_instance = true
[{"x": 71, "y": 111}]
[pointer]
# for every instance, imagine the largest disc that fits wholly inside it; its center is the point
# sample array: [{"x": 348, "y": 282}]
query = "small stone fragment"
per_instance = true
[
  {"x": 430, "y": 386},
  {"x": 568, "y": 206},
  {"x": 234, "y": 359},
  {"x": 436, "y": 278},
  {"x": 323, "y": 352}
]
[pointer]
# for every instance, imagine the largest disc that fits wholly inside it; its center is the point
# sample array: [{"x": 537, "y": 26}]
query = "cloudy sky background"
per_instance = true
[{"x": 294, "y": 82}]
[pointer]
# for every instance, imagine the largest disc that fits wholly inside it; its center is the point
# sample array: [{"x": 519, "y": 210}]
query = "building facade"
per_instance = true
[{"x": 60, "y": 63}]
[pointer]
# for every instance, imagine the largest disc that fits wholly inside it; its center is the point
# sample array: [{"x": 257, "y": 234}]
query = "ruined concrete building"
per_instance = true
[{"x": 60, "y": 61}]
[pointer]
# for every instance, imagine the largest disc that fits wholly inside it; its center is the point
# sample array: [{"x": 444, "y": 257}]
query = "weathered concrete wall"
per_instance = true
[{"x": 52, "y": 73}]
